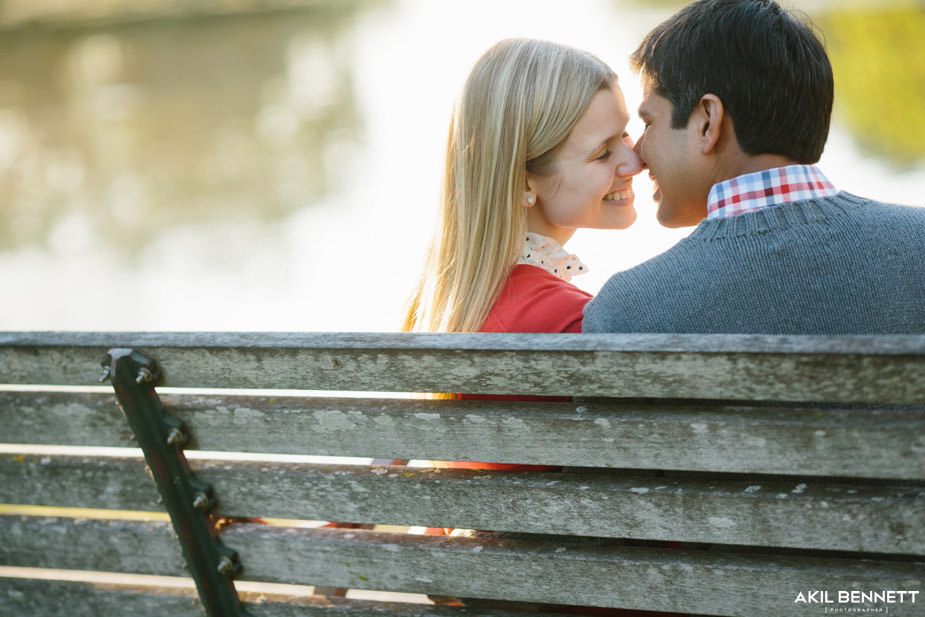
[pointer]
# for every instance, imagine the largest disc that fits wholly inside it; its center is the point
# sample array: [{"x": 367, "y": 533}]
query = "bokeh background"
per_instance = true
[{"x": 275, "y": 164}]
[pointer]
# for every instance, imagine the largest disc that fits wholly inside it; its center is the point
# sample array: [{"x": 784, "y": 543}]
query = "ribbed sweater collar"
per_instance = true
[{"x": 776, "y": 218}]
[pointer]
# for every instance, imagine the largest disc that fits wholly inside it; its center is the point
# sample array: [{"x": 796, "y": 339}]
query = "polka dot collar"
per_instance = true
[{"x": 549, "y": 255}]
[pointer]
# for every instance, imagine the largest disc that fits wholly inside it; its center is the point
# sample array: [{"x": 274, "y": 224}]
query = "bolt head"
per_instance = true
[
  {"x": 225, "y": 565},
  {"x": 200, "y": 501},
  {"x": 175, "y": 436}
]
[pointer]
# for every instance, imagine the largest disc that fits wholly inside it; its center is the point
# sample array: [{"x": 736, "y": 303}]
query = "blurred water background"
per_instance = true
[{"x": 275, "y": 164}]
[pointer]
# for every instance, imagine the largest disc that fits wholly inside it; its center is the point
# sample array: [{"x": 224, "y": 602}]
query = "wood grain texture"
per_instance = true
[
  {"x": 745, "y": 367},
  {"x": 543, "y": 570},
  {"x": 812, "y": 514},
  {"x": 871, "y": 442},
  {"x": 836, "y": 441},
  {"x": 54, "y": 598},
  {"x": 107, "y": 483},
  {"x": 71, "y": 418},
  {"x": 850, "y": 517},
  {"x": 45, "y": 598},
  {"x": 90, "y": 544},
  {"x": 703, "y": 582}
]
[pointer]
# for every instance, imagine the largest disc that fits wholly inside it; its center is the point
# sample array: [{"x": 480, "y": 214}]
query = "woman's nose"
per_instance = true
[{"x": 631, "y": 163}]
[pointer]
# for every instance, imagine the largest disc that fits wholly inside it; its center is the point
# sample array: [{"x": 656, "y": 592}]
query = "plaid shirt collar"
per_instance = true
[{"x": 770, "y": 187}]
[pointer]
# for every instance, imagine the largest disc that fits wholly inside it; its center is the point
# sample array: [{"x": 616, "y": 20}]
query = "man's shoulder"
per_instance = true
[
  {"x": 645, "y": 292},
  {"x": 897, "y": 224},
  {"x": 914, "y": 213},
  {"x": 880, "y": 208}
]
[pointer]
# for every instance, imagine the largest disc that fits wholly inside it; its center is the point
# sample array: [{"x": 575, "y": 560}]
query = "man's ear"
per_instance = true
[{"x": 710, "y": 117}]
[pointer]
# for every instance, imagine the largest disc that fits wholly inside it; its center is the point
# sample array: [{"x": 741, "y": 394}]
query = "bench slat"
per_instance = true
[
  {"x": 44, "y": 598},
  {"x": 760, "y": 513},
  {"x": 889, "y": 369},
  {"x": 731, "y": 511},
  {"x": 71, "y": 418},
  {"x": 771, "y": 440},
  {"x": 135, "y": 547},
  {"x": 708, "y": 582},
  {"x": 57, "y": 598},
  {"x": 105, "y": 483},
  {"x": 868, "y": 443}
]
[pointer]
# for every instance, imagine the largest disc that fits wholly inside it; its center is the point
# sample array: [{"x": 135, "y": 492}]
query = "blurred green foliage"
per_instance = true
[{"x": 878, "y": 56}]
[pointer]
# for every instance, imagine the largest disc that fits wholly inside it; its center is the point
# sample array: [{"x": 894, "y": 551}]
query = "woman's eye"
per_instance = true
[{"x": 605, "y": 155}]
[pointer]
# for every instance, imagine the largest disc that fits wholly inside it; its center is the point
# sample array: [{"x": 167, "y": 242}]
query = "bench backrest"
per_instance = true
[{"x": 785, "y": 467}]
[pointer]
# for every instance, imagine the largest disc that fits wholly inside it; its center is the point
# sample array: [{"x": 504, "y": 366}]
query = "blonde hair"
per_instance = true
[{"x": 518, "y": 107}]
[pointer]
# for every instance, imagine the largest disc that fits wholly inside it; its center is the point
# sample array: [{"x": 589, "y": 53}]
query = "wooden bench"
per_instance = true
[{"x": 709, "y": 475}]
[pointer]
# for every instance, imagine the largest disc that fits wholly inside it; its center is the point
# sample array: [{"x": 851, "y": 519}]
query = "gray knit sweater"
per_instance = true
[{"x": 834, "y": 265}]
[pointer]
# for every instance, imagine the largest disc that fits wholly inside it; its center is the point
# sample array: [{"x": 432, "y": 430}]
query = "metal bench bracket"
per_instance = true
[{"x": 187, "y": 500}]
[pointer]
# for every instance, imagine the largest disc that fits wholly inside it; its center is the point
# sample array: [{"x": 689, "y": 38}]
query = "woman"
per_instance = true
[{"x": 537, "y": 149}]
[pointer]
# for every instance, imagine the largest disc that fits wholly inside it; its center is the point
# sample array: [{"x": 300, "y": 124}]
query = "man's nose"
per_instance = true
[{"x": 638, "y": 150}]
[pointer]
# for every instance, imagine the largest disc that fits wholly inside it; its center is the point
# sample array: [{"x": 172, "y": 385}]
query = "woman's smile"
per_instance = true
[{"x": 620, "y": 197}]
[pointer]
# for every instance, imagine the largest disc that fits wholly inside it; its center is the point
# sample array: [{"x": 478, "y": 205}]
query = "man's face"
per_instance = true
[{"x": 674, "y": 161}]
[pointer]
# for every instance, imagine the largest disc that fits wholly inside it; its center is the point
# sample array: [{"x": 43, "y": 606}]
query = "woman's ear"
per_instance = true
[
  {"x": 530, "y": 190},
  {"x": 710, "y": 115}
]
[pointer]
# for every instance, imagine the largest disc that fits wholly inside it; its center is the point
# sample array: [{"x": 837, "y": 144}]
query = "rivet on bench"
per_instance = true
[
  {"x": 144, "y": 375},
  {"x": 175, "y": 436},
  {"x": 200, "y": 501},
  {"x": 225, "y": 565},
  {"x": 107, "y": 373}
]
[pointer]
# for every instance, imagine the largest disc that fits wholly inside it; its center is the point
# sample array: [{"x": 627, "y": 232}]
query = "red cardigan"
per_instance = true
[{"x": 532, "y": 300}]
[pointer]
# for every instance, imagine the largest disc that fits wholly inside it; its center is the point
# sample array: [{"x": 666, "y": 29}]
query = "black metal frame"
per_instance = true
[{"x": 187, "y": 500}]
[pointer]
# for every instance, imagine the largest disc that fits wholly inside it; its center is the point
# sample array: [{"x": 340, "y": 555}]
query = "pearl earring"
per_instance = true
[{"x": 530, "y": 201}]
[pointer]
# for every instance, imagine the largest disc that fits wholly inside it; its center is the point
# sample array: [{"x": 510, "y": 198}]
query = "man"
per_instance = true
[{"x": 736, "y": 103}]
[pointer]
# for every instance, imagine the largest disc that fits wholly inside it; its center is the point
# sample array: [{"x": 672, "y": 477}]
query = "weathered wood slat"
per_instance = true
[
  {"x": 105, "y": 483},
  {"x": 337, "y": 608},
  {"x": 90, "y": 544},
  {"x": 771, "y": 440},
  {"x": 707, "y": 582},
  {"x": 44, "y": 598},
  {"x": 890, "y": 369},
  {"x": 308, "y": 607},
  {"x": 334, "y": 607},
  {"x": 880, "y": 519},
  {"x": 55, "y": 598},
  {"x": 72, "y": 418}
]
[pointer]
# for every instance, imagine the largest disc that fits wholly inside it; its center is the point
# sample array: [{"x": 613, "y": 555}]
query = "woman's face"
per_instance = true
[{"x": 591, "y": 182}]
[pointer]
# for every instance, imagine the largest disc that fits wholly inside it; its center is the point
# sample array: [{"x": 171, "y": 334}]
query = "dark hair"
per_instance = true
[{"x": 769, "y": 69}]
